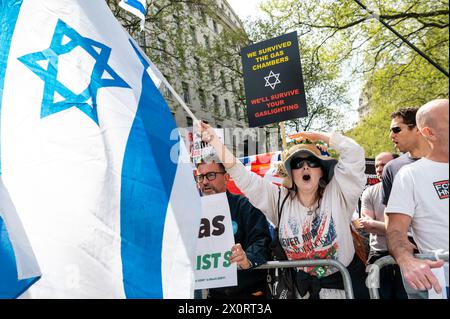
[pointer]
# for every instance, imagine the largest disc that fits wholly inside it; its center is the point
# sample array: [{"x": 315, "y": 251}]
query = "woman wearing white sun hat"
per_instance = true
[{"x": 319, "y": 196}]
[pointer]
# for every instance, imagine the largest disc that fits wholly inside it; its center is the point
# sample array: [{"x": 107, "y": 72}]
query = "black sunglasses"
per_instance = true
[
  {"x": 209, "y": 176},
  {"x": 398, "y": 129},
  {"x": 311, "y": 162}
]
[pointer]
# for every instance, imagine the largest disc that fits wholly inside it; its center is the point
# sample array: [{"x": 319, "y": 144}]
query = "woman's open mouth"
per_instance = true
[{"x": 306, "y": 177}]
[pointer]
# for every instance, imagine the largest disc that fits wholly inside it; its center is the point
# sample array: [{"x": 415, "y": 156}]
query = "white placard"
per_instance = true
[
  {"x": 198, "y": 149},
  {"x": 440, "y": 276},
  {"x": 213, "y": 268}
]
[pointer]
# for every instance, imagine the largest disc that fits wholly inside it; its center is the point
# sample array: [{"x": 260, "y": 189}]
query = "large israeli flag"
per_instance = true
[{"x": 90, "y": 156}]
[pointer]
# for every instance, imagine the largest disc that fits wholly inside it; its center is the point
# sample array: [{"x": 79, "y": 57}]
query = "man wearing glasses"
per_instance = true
[
  {"x": 408, "y": 140},
  {"x": 251, "y": 235}
]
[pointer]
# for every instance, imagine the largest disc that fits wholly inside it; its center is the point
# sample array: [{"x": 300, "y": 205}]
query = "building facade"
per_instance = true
[{"x": 183, "y": 40}]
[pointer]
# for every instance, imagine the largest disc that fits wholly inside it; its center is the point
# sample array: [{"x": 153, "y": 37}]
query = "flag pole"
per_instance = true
[
  {"x": 171, "y": 89},
  {"x": 283, "y": 135},
  {"x": 161, "y": 77},
  {"x": 179, "y": 99}
]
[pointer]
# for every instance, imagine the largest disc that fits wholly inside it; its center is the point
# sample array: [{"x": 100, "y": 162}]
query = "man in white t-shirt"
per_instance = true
[{"x": 419, "y": 198}]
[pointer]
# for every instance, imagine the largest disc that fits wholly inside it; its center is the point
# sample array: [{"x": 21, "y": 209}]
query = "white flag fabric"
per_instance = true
[
  {"x": 91, "y": 156},
  {"x": 136, "y": 7},
  {"x": 18, "y": 266}
]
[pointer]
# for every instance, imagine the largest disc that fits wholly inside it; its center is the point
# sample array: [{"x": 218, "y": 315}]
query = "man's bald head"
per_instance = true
[
  {"x": 430, "y": 114},
  {"x": 432, "y": 121},
  {"x": 381, "y": 160},
  {"x": 388, "y": 156}
]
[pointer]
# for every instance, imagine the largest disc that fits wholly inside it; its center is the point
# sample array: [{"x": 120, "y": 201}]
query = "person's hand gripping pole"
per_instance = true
[{"x": 223, "y": 153}]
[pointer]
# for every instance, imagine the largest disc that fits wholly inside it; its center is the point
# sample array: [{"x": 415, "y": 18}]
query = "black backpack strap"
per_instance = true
[
  {"x": 280, "y": 209},
  {"x": 278, "y": 253},
  {"x": 277, "y": 250}
]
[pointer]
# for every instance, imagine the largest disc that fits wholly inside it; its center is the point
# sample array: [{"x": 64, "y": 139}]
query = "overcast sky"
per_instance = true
[{"x": 245, "y": 8}]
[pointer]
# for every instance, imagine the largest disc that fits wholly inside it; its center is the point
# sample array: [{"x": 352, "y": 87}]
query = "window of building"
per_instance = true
[
  {"x": 198, "y": 65},
  {"x": 215, "y": 27},
  {"x": 224, "y": 81},
  {"x": 142, "y": 40},
  {"x": 207, "y": 43},
  {"x": 167, "y": 93},
  {"x": 155, "y": 8},
  {"x": 227, "y": 108},
  {"x": 159, "y": 21},
  {"x": 161, "y": 44},
  {"x": 237, "y": 111},
  {"x": 176, "y": 19},
  {"x": 204, "y": 16},
  {"x": 202, "y": 97},
  {"x": 193, "y": 34},
  {"x": 211, "y": 71},
  {"x": 186, "y": 95},
  {"x": 216, "y": 103},
  {"x": 189, "y": 121}
]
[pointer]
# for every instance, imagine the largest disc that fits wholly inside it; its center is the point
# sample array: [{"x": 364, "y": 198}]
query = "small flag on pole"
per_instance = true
[{"x": 136, "y": 7}]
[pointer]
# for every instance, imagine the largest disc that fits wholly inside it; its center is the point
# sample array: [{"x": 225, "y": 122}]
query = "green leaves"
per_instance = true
[{"x": 338, "y": 35}]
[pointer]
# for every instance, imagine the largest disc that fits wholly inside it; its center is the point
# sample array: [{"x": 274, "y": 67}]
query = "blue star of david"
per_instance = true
[{"x": 72, "y": 40}]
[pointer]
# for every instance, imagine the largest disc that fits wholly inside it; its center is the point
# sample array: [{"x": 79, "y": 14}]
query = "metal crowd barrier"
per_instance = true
[
  {"x": 321, "y": 262},
  {"x": 373, "y": 278}
]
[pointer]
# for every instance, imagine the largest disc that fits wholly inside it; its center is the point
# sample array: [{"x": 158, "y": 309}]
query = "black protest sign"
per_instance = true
[
  {"x": 371, "y": 173},
  {"x": 273, "y": 81}
]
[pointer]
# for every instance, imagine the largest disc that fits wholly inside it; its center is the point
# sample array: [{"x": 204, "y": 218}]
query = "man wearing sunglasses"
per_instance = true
[
  {"x": 408, "y": 140},
  {"x": 251, "y": 235}
]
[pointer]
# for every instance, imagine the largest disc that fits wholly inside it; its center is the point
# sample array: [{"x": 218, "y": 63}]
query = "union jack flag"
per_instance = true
[{"x": 262, "y": 164}]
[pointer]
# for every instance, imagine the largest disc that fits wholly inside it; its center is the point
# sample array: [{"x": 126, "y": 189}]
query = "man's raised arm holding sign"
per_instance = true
[{"x": 251, "y": 235}]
